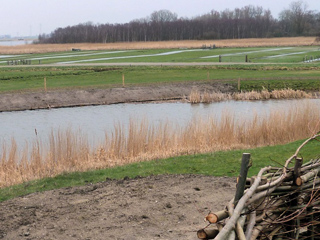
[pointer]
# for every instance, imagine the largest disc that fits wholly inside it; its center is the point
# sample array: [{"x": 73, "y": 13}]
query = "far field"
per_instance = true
[
  {"x": 300, "y": 54},
  {"x": 259, "y": 63}
]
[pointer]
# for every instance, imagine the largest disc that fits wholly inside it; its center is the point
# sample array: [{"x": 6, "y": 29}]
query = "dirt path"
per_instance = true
[
  {"x": 155, "y": 207},
  {"x": 85, "y": 97}
]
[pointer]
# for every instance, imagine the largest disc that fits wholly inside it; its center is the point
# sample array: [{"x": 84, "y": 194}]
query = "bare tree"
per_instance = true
[
  {"x": 295, "y": 17},
  {"x": 246, "y": 22}
]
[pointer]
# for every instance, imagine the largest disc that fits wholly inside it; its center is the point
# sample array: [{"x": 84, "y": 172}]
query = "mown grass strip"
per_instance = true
[
  {"x": 223, "y": 163},
  {"x": 234, "y": 54},
  {"x": 256, "y": 77}
]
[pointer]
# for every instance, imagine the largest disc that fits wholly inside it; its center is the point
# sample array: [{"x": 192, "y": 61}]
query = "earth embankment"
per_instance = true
[{"x": 86, "y": 97}]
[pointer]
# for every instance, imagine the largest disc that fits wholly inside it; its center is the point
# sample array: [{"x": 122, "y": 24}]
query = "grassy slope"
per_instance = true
[
  {"x": 293, "y": 76},
  {"x": 214, "y": 164}
]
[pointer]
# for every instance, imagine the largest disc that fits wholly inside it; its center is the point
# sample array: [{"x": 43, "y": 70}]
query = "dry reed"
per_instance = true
[
  {"x": 205, "y": 97},
  {"x": 251, "y": 42},
  {"x": 68, "y": 151}
]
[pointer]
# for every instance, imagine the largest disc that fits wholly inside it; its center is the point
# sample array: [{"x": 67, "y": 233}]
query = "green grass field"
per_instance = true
[
  {"x": 254, "y": 77},
  {"x": 270, "y": 68},
  {"x": 254, "y": 55}
]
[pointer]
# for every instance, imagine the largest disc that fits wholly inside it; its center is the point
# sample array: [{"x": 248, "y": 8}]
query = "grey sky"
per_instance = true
[{"x": 31, "y": 17}]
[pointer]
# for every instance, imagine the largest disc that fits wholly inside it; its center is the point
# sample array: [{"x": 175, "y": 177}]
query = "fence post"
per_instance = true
[
  {"x": 219, "y": 58},
  {"x": 45, "y": 84},
  {"x": 245, "y": 165},
  {"x": 239, "y": 84},
  {"x": 122, "y": 79}
]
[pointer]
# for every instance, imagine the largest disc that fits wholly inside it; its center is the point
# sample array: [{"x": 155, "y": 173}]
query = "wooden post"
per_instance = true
[
  {"x": 239, "y": 84},
  {"x": 297, "y": 172},
  {"x": 123, "y": 79},
  {"x": 45, "y": 84},
  {"x": 219, "y": 58},
  {"x": 208, "y": 75},
  {"x": 245, "y": 165}
]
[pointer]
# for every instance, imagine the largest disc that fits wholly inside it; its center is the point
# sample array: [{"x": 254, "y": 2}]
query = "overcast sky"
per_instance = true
[{"x": 31, "y": 17}]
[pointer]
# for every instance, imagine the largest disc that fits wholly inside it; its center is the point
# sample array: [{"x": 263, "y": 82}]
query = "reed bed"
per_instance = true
[
  {"x": 68, "y": 151},
  {"x": 250, "y": 42},
  {"x": 206, "y": 97}
]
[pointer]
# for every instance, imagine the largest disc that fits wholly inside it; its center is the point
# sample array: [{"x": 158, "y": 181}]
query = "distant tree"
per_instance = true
[
  {"x": 294, "y": 19},
  {"x": 246, "y": 22},
  {"x": 163, "y": 16}
]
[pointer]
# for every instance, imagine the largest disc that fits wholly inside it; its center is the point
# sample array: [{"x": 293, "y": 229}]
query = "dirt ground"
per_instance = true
[
  {"x": 84, "y": 97},
  {"x": 155, "y": 207}
]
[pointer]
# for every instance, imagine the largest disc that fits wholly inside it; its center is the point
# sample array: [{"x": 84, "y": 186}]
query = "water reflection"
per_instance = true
[
  {"x": 94, "y": 121},
  {"x": 15, "y": 42}
]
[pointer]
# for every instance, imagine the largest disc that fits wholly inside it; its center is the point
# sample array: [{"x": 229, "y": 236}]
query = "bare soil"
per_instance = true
[
  {"x": 155, "y": 207},
  {"x": 85, "y": 97}
]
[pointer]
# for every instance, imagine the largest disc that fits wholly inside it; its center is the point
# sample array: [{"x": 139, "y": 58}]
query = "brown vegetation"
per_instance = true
[
  {"x": 251, "y": 42},
  {"x": 68, "y": 151},
  {"x": 206, "y": 97}
]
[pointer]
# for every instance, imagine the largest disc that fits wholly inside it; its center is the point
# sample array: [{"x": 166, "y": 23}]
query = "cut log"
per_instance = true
[
  {"x": 306, "y": 177},
  {"x": 207, "y": 233},
  {"x": 217, "y": 217}
]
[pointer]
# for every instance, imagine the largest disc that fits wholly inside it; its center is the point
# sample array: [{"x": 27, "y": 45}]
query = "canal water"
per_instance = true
[
  {"x": 15, "y": 42},
  {"x": 95, "y": 121}
]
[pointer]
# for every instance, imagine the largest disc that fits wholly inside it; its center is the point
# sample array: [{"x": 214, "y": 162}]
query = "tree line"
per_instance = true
[{"x": 164, "y": 25}]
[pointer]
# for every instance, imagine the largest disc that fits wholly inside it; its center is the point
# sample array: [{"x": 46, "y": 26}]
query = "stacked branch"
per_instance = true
[{"x": 278, "y": 203}]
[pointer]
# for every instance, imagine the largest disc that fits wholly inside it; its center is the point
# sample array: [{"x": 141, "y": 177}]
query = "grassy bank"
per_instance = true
[
  {"x": 253, "y": 77},
  {"x": 221, "y": 163}
]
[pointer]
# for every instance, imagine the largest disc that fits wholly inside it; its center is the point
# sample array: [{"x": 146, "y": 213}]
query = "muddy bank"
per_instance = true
[
  {"x": 86, "y": 97},
  {"x": 155, "y": 207}
]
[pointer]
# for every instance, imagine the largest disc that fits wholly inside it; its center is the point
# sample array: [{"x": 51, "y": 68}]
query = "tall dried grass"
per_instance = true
[
  {"x": 250, "y": 42},
  {"x": 205, "y": 97},
  {"x": 69, "y": 151}
]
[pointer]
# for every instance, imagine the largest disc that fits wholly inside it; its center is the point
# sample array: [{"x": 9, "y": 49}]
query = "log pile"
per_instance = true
[{"x": 278, "y": 203}]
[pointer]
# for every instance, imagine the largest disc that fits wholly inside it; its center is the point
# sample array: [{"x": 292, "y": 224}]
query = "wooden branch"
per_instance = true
[
  {"x": 258, "y": 229},
  {"x": 261, "y": 195},
  {"x": 239, "y": 227},
  {"x": 276, "y": 182},
  {"x": 297, "y": 152},
  {"x": 251, "y": 223},
  {"x": 231, "y": 235},
  {"x": 270, "y": 210},
  {"x": 237, "y": 211}
]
